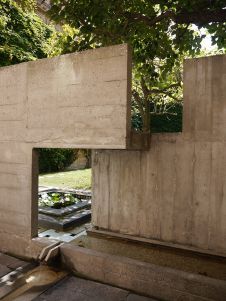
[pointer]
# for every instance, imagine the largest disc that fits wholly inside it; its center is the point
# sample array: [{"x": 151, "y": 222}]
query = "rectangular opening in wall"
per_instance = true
[{"x": 64, "y": 193}]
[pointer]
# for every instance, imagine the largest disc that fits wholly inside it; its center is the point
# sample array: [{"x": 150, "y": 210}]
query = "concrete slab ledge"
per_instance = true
[
  {"x": 26, "y": 249},
  {"x": 138, "y": 141},
  {"x": 163, "y": 283},
  {"x": 154, "y": 242},
  {"x": 65, "y": 210}
]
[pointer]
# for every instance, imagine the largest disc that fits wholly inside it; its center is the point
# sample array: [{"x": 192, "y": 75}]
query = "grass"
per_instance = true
[{"x": 80, "y": 179}]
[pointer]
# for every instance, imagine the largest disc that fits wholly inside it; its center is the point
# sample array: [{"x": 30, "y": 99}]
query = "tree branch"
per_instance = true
[
  {"x": 201, "y": 17},
  {"x": 133, "y": 16},
  {"x": 139, "y": 102},
  {"x": 163, "y": 91}
]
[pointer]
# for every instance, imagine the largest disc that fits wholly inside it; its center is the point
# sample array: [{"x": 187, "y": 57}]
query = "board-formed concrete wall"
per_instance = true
[
  {"x": 80, "y": 100},
  {"x": 176, "y": 191}
]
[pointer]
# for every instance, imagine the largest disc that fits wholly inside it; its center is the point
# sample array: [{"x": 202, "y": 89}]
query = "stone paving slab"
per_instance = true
[
  {"x": 11, "y": 262},
  {"x": 62, "y": 236},
  {"x": 11, "y": 269},
  {"x": 4, "y": 270},
  {"x": 77, "y": 289},
  {"x": 133, "y": 297}
]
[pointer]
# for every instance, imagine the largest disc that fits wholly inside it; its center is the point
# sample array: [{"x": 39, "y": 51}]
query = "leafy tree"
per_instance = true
[
  {"x": 65, "y": 41},
  {"x": 23, "y": 35},
  {"x": 55, "y": 159},
  {"x": 160, "y": 32},
  {"x": 27, "y": 5}
]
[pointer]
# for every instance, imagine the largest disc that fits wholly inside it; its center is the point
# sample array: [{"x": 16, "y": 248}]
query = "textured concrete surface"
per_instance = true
[
  {"x": 4, "y": 270},
  {"x": 67, "y": 101},
  {"x": 77, "y": 289},
  {"x": 190, "y": 262},
  {"x": 174, "y": 192},
  {"x": 11, "y": 263},
  {"x": 161, "y": 282},
  {"x": 11, "y": 269},
  {"x": 70, "y": 288}
]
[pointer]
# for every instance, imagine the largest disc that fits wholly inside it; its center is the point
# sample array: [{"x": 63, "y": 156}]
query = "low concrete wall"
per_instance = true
[
  {"x": 176, "y": 191},
  {"x": 148, "y": 279}
]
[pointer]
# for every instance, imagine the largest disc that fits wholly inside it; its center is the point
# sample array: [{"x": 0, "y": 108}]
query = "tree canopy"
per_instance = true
[
  {"x": 24, "y": 37},
  {"x": 130, "y": 20},
  {"x": 161, "y": 33}
]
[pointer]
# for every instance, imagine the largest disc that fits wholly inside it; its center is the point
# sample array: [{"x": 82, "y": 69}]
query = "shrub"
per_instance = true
[{"x": 55, "y": 159}]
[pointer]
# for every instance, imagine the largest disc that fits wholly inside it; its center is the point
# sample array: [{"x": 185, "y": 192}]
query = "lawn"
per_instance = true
[{"x": 80, "y": 179}]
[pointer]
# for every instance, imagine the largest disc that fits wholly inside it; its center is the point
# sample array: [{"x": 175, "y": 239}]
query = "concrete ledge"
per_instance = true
[
  {"x": 138, "y": 141},
  {"x": 27, "y": 249},
  {"x": 154, "y": 242},
  {"x": 143, "y": 278}
]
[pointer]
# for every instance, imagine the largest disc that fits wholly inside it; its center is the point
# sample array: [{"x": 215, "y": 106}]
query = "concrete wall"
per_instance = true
[
  {"x": 76, "y": 100},
  {"x": 176, "y": 191},
  {"x": 79, "y": 100}
]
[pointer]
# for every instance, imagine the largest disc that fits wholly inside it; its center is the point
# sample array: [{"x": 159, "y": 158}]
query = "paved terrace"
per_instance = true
[{"x": 70, "y": 288}]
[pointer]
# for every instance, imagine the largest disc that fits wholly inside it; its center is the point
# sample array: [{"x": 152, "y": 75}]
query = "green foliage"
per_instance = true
[
  {"x": 27, "y": 5},
  {"x": 170, "y": 120},
  {"x": 155, "y": 29},
  {"x": 23, "y": 35},
  {"x": 54, "y": 159},
  {"x": 67, "y": 40},
  {"x": 56, "y": 200},
  {"x": 161, "y": 33}
]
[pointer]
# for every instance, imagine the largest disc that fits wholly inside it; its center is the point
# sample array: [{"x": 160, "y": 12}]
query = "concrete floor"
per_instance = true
[
  {"x": 70, "y": 288},
  {"x": 77, "y": 289}
]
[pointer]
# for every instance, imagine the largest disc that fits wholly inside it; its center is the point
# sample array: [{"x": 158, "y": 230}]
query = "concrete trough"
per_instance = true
[{"x": 150, "y": 271}]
